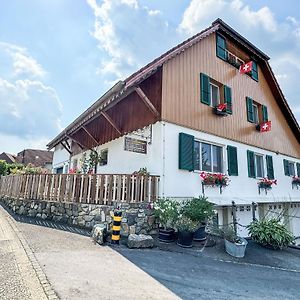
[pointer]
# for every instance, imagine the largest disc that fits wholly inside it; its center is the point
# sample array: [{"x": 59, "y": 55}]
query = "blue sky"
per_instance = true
[{"x": 57, "y": 57}]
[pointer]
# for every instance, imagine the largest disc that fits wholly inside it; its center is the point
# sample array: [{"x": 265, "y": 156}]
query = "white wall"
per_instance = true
[
  {"x": 241, "y": 189},
  {"x": 61, "y": 158},
  {"x": 126, "y": 162}
]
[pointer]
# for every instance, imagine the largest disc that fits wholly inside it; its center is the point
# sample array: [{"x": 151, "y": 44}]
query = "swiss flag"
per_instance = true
[
  {"x": 222, "y": 107},
  {"x": 246, "y": 68},
  {"x": 264, "y": 127}
]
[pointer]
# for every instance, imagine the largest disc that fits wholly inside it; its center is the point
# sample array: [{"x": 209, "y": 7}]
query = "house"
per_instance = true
[
  {"x": 38, "y": 158},
  {"x": 165, "y": 117},
  {"x": 9, "y": 158}
]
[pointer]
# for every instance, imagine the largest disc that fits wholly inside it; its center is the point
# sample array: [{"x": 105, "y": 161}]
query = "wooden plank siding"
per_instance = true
[
  {"x": 99, "y": 188},
  {"x": 181, "y": 100}
]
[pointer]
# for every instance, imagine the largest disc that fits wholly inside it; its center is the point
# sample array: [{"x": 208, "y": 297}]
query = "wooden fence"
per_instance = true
[{"x": 94, "y": 189}]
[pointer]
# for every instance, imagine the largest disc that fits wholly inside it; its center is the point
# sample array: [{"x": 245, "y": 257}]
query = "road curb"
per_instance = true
[{"x": 45, "y": 283}]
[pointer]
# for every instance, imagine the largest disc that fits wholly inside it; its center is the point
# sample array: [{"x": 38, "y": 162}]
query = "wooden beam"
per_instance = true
[
  {"x": 77, "y": 142},
  {"x": 70, "y": 152},
  {"x": 111, "y": 122},
  {"x": 90, "y": 135},
  {"x": 147, "y": 101}
]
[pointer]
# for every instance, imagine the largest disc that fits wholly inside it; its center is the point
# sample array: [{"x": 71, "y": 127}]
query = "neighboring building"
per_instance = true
[
  {"x": 9, "y": 158},
  {"x": 38, "y": 158},
  {"x": 163, "y": 117}
]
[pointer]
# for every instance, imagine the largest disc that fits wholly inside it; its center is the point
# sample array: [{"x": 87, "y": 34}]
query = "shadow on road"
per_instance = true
[{"x": 46, "y": 223}]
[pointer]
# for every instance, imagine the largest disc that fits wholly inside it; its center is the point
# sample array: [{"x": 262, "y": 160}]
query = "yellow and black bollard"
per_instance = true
[{"x": 115, "y": 237}]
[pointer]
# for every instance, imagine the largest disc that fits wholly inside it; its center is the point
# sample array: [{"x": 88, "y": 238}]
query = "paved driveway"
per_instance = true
[{"x": 212, "y": 274}]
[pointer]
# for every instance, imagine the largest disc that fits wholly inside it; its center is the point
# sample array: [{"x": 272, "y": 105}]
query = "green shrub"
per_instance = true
[
  {"x": 186, "y": 224},
  {"x": 228, "y": 234},
  {"x": 166, "y": 210},
  {"x": 198, "y": 209},
  {"x": 270, "y": 233},
  {"x": 3, "y": 167}
]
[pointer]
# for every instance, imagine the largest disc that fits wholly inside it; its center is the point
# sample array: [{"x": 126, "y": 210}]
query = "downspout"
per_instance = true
[{"x": 163, "y": 158}]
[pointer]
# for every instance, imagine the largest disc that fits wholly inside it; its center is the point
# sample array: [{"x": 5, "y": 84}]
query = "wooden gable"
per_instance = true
[{"x": 181, "y": 99}]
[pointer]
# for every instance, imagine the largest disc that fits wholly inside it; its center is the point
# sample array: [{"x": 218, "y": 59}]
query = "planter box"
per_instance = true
[
  {"x": 220, "y": 113},
  {"x": 235, "y": 249}
]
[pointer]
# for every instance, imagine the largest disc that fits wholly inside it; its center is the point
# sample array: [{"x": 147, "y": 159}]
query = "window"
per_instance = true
[
  {"x": 208, "y": 157},
  {"x": 289, "y": 168},
  {"x": 103, "y": 157},
  {"x": 259, "y": 165},
  {"x": 255, "y": 114},
  {"x": 215, "y": 94},
  {"x": 75, "y": 162}
]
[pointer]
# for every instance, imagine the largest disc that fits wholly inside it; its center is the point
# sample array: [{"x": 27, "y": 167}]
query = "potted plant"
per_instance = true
[
  {"x": 186, "y": 228},
  {"x": 214, "y": 179},
  {"x": 221, "y": 109},
  {"x": 166, "y": 211},
  {"x": 234, "y": 244},
  {"x": 270, "y": 233},
  {"x": 266, "y": 184},
  {"x": 199, "y": 210}
]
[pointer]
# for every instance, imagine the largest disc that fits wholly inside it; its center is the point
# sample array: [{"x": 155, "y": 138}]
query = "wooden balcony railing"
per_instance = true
[{"x": 94, "y": 189}]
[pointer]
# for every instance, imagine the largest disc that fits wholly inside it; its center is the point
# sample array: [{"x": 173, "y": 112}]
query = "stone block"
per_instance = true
[
  {"x": 88, "y": 218},
  {"x": 140, "y": 241},
  {"x": 151, "y": 220},
  {"x": 132, "y": 229},
  {"x": 44, "y": 216},
  {"x": 99, "y": 233}
]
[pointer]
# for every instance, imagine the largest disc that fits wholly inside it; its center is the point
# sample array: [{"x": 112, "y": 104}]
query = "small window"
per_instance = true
[
  {"x": 208, "y": 157},
  {"x": 289, "y": 168},
  {"x": 103, "y": 157},
  {"x": 215, "y": 95},
  {"x": 259, "y": 165}
]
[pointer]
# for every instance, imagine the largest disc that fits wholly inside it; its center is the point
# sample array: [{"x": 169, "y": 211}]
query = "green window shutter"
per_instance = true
[
  {"x": 254, "y": 73},
  {"x": 250, "y": 112},
  {"x": 265, "y": 113},
  {"x": 205, "y": 89},
  {"x": 298, "y": 169},
  {"x": 186, "y": 152},
  {"x": 251, "y": 164},
  {"x": 221, "y": 47},
  {"x": 228, "y": 98},
  {"x": 270, "y": 168},
  {"x": 232, "y": 161},
  {"x": 286, "y": 167}
]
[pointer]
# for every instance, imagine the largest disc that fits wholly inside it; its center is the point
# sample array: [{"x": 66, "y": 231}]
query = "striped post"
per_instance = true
[{"x": 115, "y": 237}]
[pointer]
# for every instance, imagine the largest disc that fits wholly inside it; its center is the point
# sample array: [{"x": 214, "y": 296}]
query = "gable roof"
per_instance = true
[
  {"x": 123, "y": 88},
  {"x": 36, "y": 157},
  {"x": 9, "y": 158}
]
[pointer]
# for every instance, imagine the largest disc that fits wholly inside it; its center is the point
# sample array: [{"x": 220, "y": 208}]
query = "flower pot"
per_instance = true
[
  {"x": 166, "y": 235},
  {"x": 236, "y": 249},
  {"x": 200, "y": 234},
  {"x": 185, "y": 239}
]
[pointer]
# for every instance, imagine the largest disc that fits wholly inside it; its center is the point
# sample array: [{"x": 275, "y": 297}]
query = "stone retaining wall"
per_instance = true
[{"x": 136, "y": 217}]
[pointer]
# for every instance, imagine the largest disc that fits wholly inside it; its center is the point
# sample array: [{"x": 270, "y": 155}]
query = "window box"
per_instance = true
[
  {"x": 266, "y": 184},
  {"x": 295, "y": 182},
  {"x": 219, "y": 111},
  {"x": 214, "y": 180}
]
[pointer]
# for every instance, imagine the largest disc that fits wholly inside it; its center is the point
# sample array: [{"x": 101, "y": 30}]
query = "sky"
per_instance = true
[{"x": 57, "y": 57}]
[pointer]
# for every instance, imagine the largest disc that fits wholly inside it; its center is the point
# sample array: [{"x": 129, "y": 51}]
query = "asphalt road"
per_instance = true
[{"x": 205, "y": 276}]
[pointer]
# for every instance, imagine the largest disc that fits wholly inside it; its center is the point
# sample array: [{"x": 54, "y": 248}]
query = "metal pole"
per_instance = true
[
  {"x": 234, "y": 217},
  {"x": 254, "y": 205}
]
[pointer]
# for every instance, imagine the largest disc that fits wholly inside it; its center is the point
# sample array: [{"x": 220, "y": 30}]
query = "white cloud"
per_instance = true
[
  {"x": 200, "y": 13},
  {"x": 23, "y": 63},
  {"x": 125, "y": 32},
  {"x": 30, "y": 109}
]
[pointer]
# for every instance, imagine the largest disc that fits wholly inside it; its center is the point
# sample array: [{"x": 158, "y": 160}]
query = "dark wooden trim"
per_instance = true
[
  {"x": 70, "y": 152},
  {"x": 111, "y": 122},
  {"x": 78, "y": 143},
  {"x": 90, "y": 135},
  {"x": 147, "y": 101}
]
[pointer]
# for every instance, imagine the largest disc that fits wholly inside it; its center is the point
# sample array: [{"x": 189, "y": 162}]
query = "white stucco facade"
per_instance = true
[
  {"x": 61, "y": 159},
  {"x": 162, "y": 159}
]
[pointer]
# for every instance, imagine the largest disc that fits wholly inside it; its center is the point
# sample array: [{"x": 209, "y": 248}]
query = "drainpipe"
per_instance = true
[{"x": 164, "y": 158}]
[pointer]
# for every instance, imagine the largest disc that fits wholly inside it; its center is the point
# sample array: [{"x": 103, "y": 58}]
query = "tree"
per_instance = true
[{"x": 3, "y": 167}]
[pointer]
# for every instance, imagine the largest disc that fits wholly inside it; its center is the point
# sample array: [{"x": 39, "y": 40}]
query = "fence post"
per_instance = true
[{"x": 253, "y": 211}]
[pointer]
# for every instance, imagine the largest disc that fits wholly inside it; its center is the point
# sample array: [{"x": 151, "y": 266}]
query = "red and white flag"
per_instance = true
[
  {"x": 222, "y": 107},
  {"x": 264, "y": 127},
  {"x": 246, "y": 68}
]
